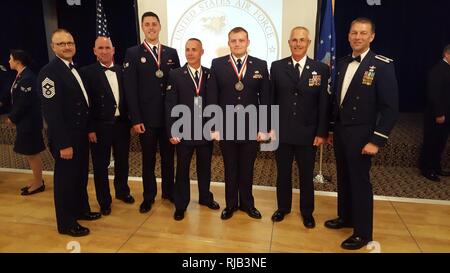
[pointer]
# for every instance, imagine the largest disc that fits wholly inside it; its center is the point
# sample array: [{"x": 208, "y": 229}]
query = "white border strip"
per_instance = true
[{"x": 271, "y": 188}]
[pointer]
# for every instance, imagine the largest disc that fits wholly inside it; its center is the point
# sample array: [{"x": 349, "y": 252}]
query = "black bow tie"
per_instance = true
[
  {"x": 358, "y": 59},
  {"x": 112, "y": 68},
  {"x": 72, "y": 66}
]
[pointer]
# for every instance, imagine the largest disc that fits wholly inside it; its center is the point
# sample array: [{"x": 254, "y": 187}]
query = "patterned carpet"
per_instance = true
[{"x": 394, "y": 171}]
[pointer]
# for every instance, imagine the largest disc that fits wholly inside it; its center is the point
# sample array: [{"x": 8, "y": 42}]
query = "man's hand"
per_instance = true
[
  {"x": 330, "y": 139},
  {"x": 215, "y": 135},
  {"x": 260, "y": 137},
  {"x": 139, "y": 128},
  {"x": 92, "y": 137},
  {"x": 272, "y": 135},
  {"x": 8, "y": 121},
  {"x": 440, "y": 120},
  {"x": 174, "y": 140},
  {"x": 370, "y": 149},
  {"x": 318, "y": 141},
  {"x": 66, "y": 153}
]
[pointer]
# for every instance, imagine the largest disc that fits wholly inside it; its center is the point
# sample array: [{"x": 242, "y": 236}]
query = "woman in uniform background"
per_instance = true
[{"x": 26, "y": 116}]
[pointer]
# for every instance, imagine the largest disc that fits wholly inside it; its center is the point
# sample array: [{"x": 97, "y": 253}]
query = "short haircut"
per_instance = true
[
  {"x": 446, "y": 50},
  {"x": 21, "y": 55},
  {"x": 297, "y": 28},
  {"x": 364, "y": 20},
  {"x": 103, "y": 36},
  {"x": 238, "y": 29},
  {"x": 149, "y": 14},
  {"x": 195, "y": 39},
  {"x": 60, "y": 30}
]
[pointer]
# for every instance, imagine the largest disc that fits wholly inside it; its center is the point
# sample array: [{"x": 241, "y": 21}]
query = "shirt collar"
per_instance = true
[
  {"x": 302, "y": 61},
  {"x": 363, "y": 54},
  {"x": 112, "y": 65},
  {"x": 445, "y": 60},
  {"x": 236, "y": 58},
  {"x": 65, "y": 62},
  {"x": 153, "y": 45},
  {"x": 193, "y": 70}
]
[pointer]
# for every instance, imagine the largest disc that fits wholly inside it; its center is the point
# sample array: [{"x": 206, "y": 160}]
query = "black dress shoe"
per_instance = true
[
  {"x": 354, "y": 242},
  {"x": 278, "y": 215},
  {"x": 105, "y": 211},
  {"x": 77, "y": 231},
  {"x": 444, "y": 173},
  {"x": 27, "y": 187},
  {"x": 27, "y": 192},
  {"x": 178, "y": 215},
  {"x": 127, "y": 199},
  {"x": 146, "y": 206},
  {"x": 308, "y": 221},
  {"x": 212, "y": 205},
  {"x": 90, "y": 216},
  {"x": 337, "y": 224},
  {"x": 227, "y": 213},
  {"x": 431, "y": 175},
  {"x": 254, "y": 213},
  {"x": 168, "y": 197}
]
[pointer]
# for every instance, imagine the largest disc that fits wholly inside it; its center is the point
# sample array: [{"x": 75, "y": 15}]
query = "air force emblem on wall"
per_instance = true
[{"x": 48, "y": 88}]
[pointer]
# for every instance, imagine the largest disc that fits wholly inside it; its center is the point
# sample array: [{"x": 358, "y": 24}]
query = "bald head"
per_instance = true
[{"x": 104, "y": 50}]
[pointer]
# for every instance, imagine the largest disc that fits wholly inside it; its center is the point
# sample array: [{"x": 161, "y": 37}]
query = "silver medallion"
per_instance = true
[
  {"x": 239, "y": 86},
  {"x": 159, "y": 73}
]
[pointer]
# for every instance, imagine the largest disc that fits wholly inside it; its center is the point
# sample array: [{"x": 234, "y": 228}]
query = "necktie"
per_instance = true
[
  {"x": 196, "y": 77},
  {"x": 239, "y": 65},
  {"x": 297, "y": 69},
  {"x": 357, "y": 58},
  {"x": 155, "y": 51},
  {"x": 71, "y": 66},
  {"x": 112, "y": 68}
]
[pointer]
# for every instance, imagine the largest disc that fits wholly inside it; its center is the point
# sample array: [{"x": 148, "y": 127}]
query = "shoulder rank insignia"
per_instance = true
[
  {"x": 48, "y": 88},
  {"x": 383, "y": 58}
]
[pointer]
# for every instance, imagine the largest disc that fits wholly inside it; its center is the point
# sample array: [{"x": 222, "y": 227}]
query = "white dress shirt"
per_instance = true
[
  {"x": 351, "y": 70},
  {"x": 114, "y": 84},
  {"x": 302, "y": 63},
  {"x": 245, "y": 57},
  {"x": 77, "y": 76}
]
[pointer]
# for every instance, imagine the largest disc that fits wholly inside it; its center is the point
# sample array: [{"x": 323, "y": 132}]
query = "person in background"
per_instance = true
[
  {"x": 436, "y": 119},
  {"x": 26, "y": 116}
]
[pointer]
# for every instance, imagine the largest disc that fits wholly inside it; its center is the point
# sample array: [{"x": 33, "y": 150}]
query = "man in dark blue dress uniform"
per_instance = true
[
  {"x": 146, "y": 69},
  {"x": 65, "y": 106},
  {"x": 187, "y": 87},
  {"x": 365, "y": 109},
  {"x": 109, "y": 126},
  {"x": 240, "y": 81},
  {"x": 299, "y": 86}
]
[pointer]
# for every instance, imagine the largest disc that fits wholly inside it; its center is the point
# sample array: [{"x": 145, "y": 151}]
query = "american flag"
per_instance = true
[{"x": 100, "y": 21}]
